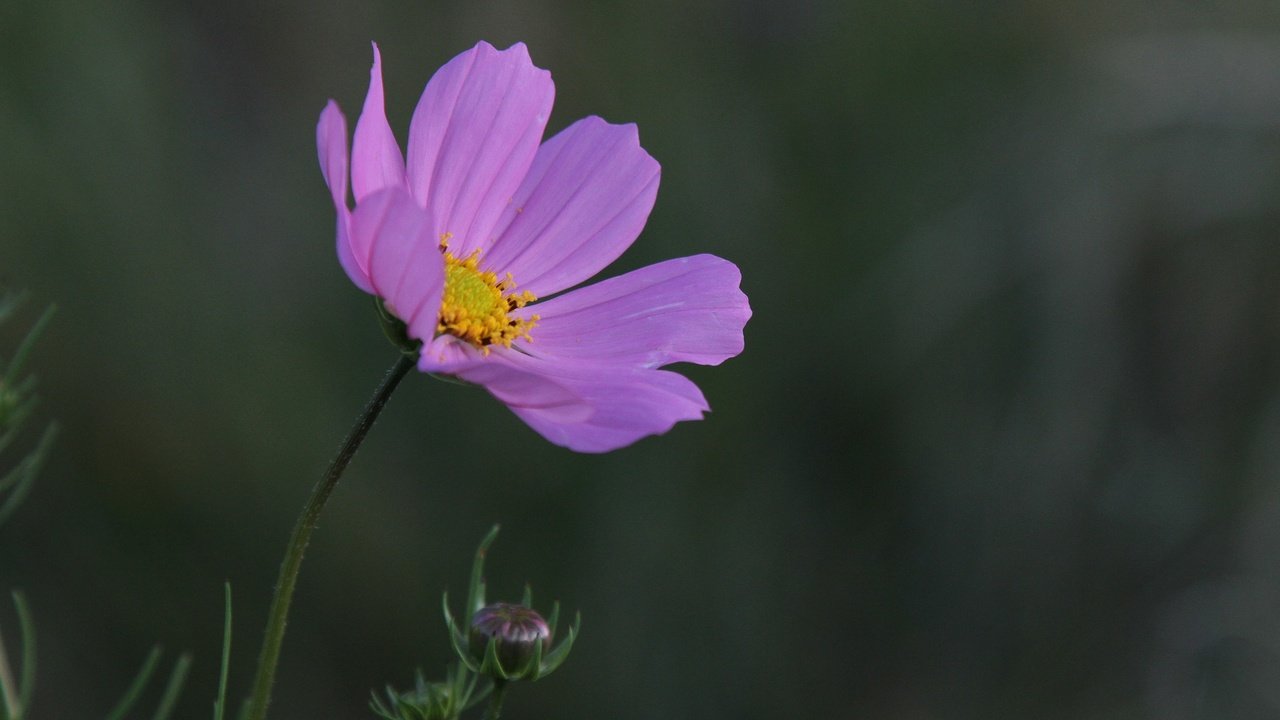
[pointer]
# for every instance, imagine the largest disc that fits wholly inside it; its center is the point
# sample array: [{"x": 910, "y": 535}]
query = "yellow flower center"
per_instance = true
[{"x": 476, "y": 303}]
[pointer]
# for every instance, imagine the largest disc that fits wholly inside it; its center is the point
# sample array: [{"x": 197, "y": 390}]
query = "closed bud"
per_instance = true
[
  {"x": 519, "y": 635},
  {"x": 506, "y": 641}
]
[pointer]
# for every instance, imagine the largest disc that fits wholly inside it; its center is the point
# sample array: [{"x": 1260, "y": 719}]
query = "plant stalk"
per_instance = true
[
  {"x": 273, "y": 636},
  {"x": 494, "y": 710}
]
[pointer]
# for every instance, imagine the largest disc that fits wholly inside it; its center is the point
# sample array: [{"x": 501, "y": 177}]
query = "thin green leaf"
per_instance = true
[
  {"x": 173, "y": 688},
  {"x": 27, "y": 676},
  {"x": 28, "y": 342},
  {"x": 9, "y": 709},
  {"x": 219, "y": 705},
  {"x": 475, "y": 594},
  {"x": 457, "y": 639},
  {"x": 393, "y": 712},
  {"x": 15, "y": 474},
  {"x": 135, "y": 689},
  {"x": 10, "y": 302},
  {"x": 17, "y": 416},
  {"x": 26, "y": 472}
]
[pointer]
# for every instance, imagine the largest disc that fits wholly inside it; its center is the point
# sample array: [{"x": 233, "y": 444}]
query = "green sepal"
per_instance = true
[
  {"x": 395, "y": 330},
  {"x": 558, "y": 655},
  {"x": 492, "y": 666},
  {"x": 553, "y": 619},
  {"x": 533, "y": 670}
]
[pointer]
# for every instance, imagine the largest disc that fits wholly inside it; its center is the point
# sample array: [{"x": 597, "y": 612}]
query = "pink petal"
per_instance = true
[
  {"x": 405, "y": 264},
  {"x": 628, "y": 403},
  {"x": 684, "y": 310},
  {"x": 585, "y": 200},
  {"x": 331, "y": 143},
  {"x": 579, "y": 405},
  {"x": 473, "y": 137},
  {"x": 524, "y": 390},
  {"x": 345, "y": 255},
  {"x": 445, "y": 354},
  {"x": 376, "y": 161}
]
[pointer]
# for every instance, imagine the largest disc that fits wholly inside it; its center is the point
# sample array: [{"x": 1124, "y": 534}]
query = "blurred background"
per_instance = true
[{"x": 1003, "y": 442}]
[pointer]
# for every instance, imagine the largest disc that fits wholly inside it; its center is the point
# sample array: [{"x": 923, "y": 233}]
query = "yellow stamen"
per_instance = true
[{"x": 476, "y": 303}]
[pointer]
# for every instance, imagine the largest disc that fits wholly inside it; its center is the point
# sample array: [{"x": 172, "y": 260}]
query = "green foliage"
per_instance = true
[
  {"x": 449, "y": 699},
  {"x": 220, "y": 704},
  {"x": 432, "y": 701},
  {"x": 15, "y": 697},
  {"x": 17, "y": 401},
  {"x": 172, "y": 689}
]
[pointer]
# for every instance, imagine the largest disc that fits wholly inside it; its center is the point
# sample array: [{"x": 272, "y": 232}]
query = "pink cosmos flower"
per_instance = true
[{"x": 466, "y": 237}]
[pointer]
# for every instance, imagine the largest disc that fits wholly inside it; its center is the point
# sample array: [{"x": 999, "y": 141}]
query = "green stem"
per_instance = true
[
  {"x": 273, "y": 637},
  {"x": 495, "y": 700}
]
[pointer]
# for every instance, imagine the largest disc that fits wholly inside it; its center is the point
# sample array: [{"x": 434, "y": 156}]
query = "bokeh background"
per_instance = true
[{"x": 1003, "y": 442}]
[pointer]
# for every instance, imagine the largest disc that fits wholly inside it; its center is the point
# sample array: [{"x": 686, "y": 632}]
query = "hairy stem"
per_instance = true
[{"x": 273, "y": 637}]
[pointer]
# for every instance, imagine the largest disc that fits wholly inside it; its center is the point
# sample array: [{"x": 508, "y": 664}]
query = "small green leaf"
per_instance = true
[
  {"x": 457, "y": 639},
  {"x": 220, "y": 705},
  {"x": 17, "y": 415},
  {"x": 24, "y": 475},
  {"x": 15, "y": 697},
  {"x": 10, "y": 302},
  {"x": 475, "y": 594},
  {"x": 8, "y": 693},
  {"x": 173, "y": 688},
  {"x": 28, "y": 342},
  {"x": 126, "y": 703},
  {"x": 27, "y": 678}
]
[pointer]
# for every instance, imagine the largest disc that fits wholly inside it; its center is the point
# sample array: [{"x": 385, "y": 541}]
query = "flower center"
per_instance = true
[{"x": 476, "y": 303}]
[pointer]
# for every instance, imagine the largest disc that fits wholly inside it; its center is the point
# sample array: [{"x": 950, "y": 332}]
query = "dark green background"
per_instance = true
[{"x": 1003, "y": 442}]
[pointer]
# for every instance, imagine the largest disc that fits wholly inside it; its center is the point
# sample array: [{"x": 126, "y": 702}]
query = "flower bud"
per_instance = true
[{"x": 519, "y": 634}]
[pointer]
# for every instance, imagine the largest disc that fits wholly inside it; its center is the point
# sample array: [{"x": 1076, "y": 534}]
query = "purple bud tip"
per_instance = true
[{"x": 517, "y": 630}]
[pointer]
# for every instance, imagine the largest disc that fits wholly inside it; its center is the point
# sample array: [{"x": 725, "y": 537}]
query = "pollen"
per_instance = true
[{"x": 477, "y": 302}]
